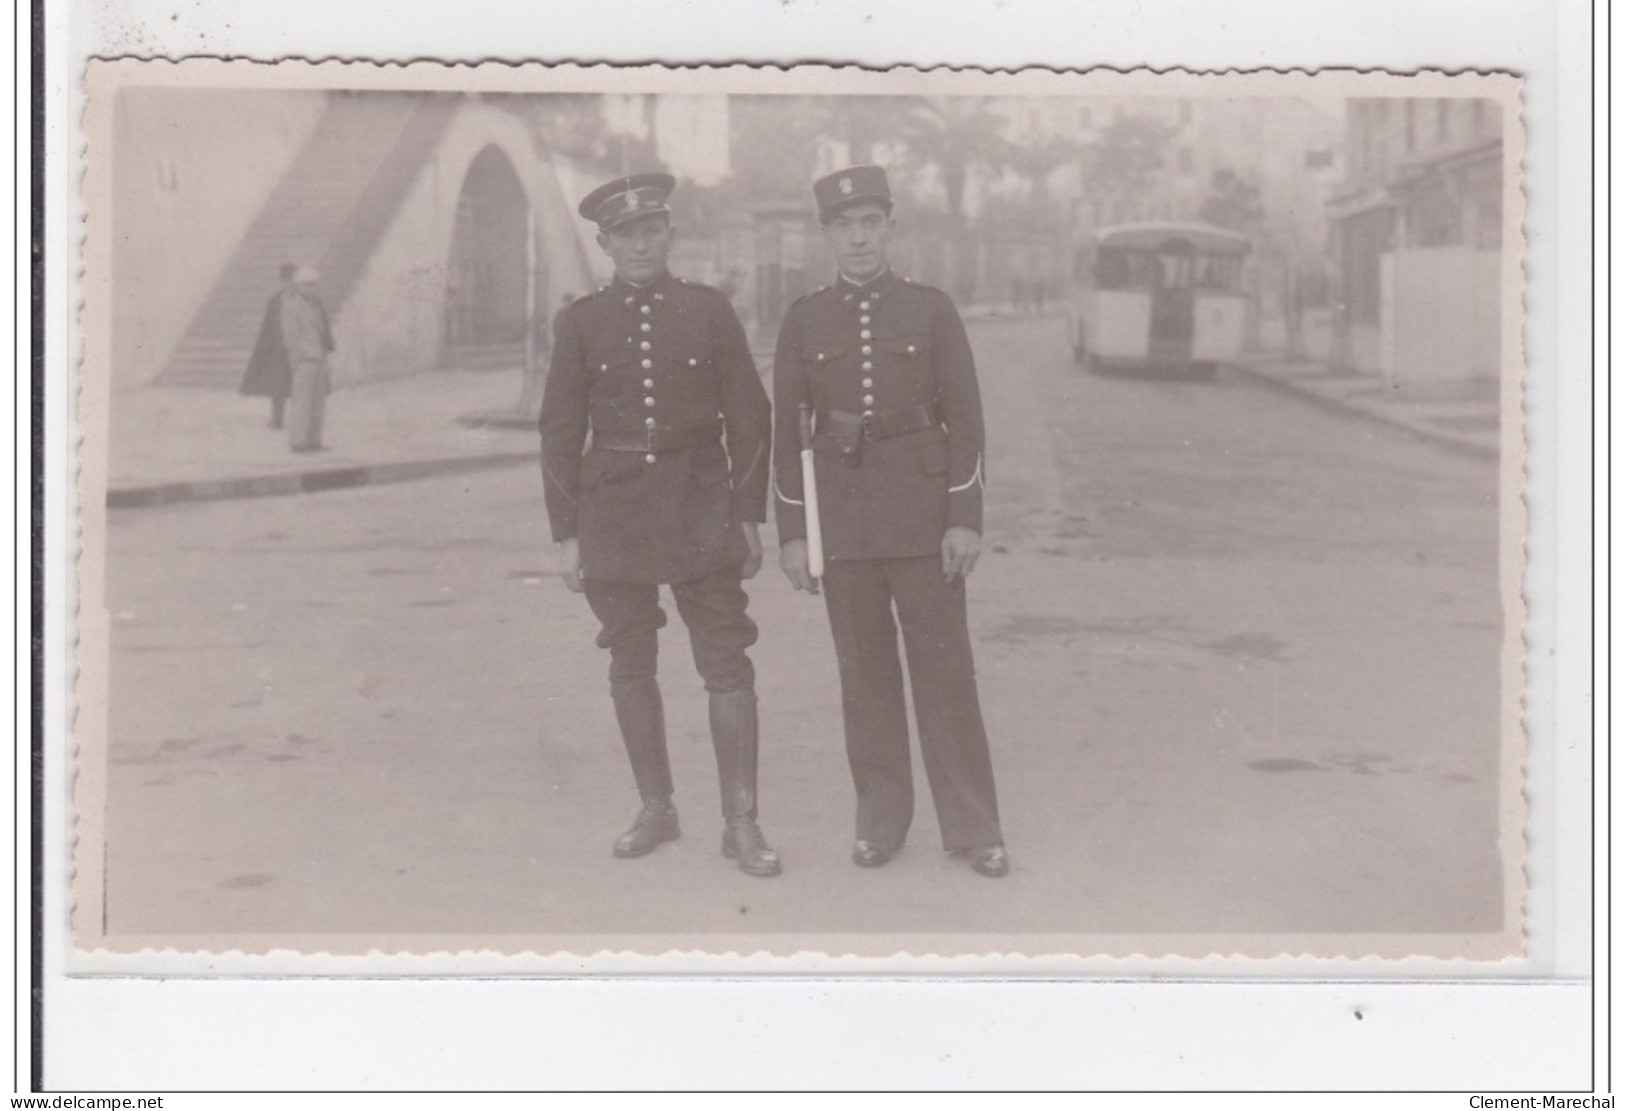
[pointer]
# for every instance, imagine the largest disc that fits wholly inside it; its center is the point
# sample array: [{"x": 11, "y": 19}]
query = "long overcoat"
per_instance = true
[{"x": 269, "y": 374}]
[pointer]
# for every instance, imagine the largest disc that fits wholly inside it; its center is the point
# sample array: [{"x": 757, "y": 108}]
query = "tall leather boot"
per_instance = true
[
  {"x": 642, "y": 719},
  {"x": 734, "y": 737}
]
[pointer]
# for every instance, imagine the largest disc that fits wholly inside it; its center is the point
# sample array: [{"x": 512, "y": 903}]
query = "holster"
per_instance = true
[{"x": 846, "y": 433}]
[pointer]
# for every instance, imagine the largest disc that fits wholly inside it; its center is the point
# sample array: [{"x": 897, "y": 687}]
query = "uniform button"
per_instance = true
[
  {"x": 911, "y": 349},
  {"x": 649, "y": 401},
  {"x": 863, "y": 320},
  {"x": 648, "y": 364},
  {"x": 649, "y": 458},
  {"x": 868, "y": 412},
  {"x": 867, "y": 350},
  {"x": 694, "y": 362},
  {"x": 646, "y": 345},
  {"x": 644, "y": 325},
  {"x": 648, "y": 383},
  {"x": 603, "y": 366},
  {"x": 868, "y": 383},
  {"x": 648, "y": 422},
  {"x": 866, "y": 334},
  {"x": 644, "y": 309},
  {"x": 868, "y": 366},
  {"x": 868, "y": 399},
  {"x": 864, "y": 305}
]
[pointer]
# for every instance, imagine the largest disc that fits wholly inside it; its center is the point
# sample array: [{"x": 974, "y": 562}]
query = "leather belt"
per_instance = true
[
  {"x": 883, "y": 426},
  {"x": 657, "y": 438}
]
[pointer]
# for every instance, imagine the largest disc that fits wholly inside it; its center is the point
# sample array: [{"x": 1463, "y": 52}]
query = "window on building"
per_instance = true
[
  {"x": 1410, "y": 127},
  {"x": 1442, "y": 119}
]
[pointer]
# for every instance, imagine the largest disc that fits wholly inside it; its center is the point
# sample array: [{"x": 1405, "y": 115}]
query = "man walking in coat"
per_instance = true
[
  {"x": 268, "y": 373},
  {"x": 671, "y": 490},
  {"x": 307, "y": 338},
  {"x": 885, "y": 368}
]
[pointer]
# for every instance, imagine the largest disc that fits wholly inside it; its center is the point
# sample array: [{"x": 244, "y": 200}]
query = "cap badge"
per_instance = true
[
  {"x": 632, "y": 199},
  {"x": 846, "y": 185}
]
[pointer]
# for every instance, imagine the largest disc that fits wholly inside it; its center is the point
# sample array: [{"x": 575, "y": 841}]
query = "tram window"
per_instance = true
[
  {"x": 1216, "y": 272},
  {"x": 1115, "y": 270}
]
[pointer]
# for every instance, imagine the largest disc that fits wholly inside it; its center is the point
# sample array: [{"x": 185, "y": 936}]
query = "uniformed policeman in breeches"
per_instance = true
[
  {"x": 670, "y": 489},
  {"x": 885, "y": 368}
]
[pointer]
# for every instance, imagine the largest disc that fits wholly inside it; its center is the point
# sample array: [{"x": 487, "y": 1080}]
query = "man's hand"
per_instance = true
[
  {"x": 960, "y": 548},
  {"x": 793, "y": 561},
  {"x": 570, "y": 564},
  {"x": 753, "y": 544}
]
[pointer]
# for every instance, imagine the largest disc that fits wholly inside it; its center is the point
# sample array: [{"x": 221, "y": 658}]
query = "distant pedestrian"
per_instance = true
[
  {"x": 671, "y": 490},
  {"x": 308, "y": 338},
  {"x": 885, "y": 369},
  {"x": 268, "y": 373}
]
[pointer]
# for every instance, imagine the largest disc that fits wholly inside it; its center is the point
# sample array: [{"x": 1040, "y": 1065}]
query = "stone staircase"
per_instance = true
[{"x": 330, "y": 209}]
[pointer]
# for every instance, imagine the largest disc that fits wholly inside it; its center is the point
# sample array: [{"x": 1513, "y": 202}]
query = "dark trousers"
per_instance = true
[
  {"x": 713, "y": 608},
  {"x": 860, "y": 596}
]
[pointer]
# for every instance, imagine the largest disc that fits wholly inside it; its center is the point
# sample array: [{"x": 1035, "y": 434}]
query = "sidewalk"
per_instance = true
[
  {"x": 181, "y": 444},
  {"x": 174, "y": 444},
  {"x": 1462, "y": 416}
]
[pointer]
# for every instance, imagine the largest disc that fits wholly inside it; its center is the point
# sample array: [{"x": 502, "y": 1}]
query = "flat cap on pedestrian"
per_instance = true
[
  {"x": 627, "y": 198},
  {"x": 853, "y": 185}
]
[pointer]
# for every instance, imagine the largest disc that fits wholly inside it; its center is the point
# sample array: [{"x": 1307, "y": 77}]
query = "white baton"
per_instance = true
[{"x": 809, "y": 494}]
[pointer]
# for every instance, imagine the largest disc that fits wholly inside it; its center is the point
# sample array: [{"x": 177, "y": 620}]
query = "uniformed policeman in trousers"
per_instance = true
[
  {"x": 885, "y": 367},
  {"x": 670, "y": 490}
]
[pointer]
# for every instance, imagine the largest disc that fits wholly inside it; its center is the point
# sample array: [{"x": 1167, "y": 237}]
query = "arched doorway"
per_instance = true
[{"x": 487, "y": 279}]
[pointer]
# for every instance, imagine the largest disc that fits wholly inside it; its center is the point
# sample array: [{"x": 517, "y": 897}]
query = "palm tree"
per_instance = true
[
  {"x": 957, "y": 136},
  {"x": 1037, "y": 159}
]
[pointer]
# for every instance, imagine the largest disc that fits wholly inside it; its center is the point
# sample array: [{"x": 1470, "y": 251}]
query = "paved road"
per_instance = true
[{"x": 1239, "y": 661}]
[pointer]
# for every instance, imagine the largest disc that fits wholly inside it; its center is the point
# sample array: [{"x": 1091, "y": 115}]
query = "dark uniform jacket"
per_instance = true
[
  {"x": 901, "y": 374},
  {"x": 663, "y": 379}
]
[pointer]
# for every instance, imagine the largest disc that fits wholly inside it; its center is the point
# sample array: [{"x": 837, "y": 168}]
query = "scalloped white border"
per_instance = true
[{"x": 1037, "y": 955}]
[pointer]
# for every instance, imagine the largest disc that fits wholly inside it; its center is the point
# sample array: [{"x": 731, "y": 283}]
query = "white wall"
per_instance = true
[
  {"x": 191, "y": 169},
  {"x": 1441, "y": 314},
  {"x": 392, "y": 322}
]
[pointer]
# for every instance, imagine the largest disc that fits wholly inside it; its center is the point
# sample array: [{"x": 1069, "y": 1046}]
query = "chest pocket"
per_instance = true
[
  {"x": 611, "y": 359},
  {"x": 819, "y": 353},
  {"x": 915, "y": 346},
  {"x": 691, "y": 361}
]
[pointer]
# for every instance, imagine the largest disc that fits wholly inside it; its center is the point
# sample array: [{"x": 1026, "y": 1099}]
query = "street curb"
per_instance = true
[
  {"x": 309, "y": 481},
  {"x": 1437, "y": 436}
]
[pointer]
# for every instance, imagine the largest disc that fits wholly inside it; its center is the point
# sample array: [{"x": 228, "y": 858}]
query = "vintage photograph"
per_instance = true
[{"x": 863, "y": 513}]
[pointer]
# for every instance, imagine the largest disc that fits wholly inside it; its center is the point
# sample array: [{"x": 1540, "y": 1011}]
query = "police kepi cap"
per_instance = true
[
  {"x": 627, "y": 198},
  {"x": 853, "y": 185}
]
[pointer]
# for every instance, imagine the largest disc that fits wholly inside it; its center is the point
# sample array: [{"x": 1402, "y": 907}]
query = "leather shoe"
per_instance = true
[
  {"x": 655, "y": 824},
  {"x": 742, "y": 840},
  {"x": 990, "y": 860},
  {"x": 872, "y": 854}
]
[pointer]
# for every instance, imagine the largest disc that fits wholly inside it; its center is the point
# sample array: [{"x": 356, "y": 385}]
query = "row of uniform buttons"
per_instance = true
[
  {"x": 648, "y": 383},
  {"x": 867, "y": 350}
]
